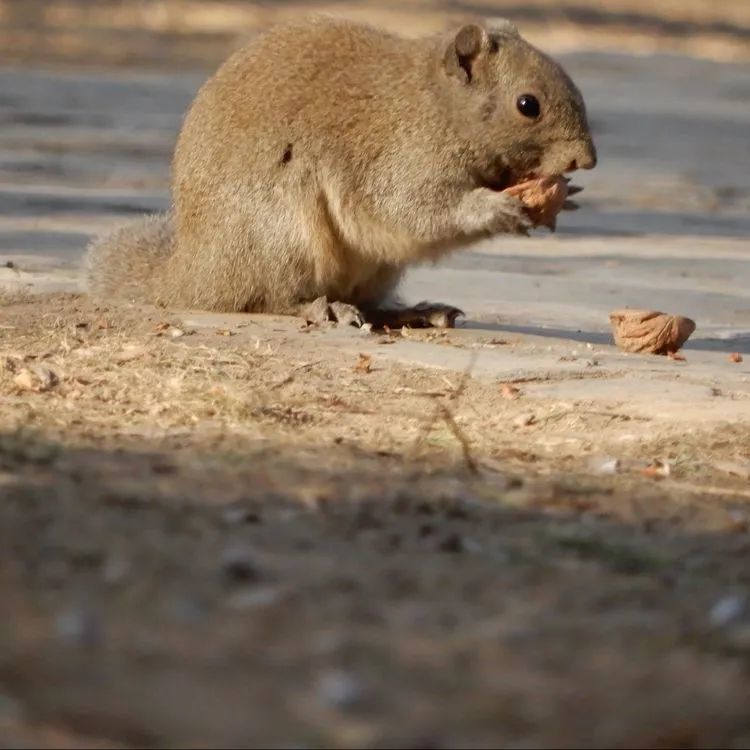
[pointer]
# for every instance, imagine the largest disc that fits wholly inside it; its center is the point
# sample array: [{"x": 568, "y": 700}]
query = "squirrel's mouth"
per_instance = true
[{"x": 507, "y": 178}]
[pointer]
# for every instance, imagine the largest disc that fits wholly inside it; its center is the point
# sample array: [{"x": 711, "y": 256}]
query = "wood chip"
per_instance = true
[
  {"x": 36, "y": 378},
  {"x": 650, "y": 331},
  {"x": 364, "y": 363},
  {"x": 735, "y": 357},
  {"x": 25, "y": 380},
  {"x": 510, "y": 391},
  {"x": 658, "y": 470}
]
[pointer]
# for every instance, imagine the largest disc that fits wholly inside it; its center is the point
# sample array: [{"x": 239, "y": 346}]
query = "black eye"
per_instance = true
[{"x": 528, "y": 105}]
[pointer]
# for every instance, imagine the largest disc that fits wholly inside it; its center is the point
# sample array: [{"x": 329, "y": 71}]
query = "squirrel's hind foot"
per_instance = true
[{"x": 423, "y": 315}]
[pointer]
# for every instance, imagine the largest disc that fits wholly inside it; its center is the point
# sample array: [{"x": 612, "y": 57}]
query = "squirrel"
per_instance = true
[{"x": 327, "y": 156}]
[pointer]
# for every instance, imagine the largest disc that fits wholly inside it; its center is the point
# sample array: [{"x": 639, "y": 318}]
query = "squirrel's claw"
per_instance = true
[
  {"x": 423, "y": 315},
  {"x": 436, "y": 315},
  {"x": 346, "y": 315},
  {"x": 322, "y": 312}
]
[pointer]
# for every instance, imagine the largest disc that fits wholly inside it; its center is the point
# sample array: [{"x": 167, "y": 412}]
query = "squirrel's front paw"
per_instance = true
[
  {"x": 485, "y": 211},
  {"x": 517, "y": 220}
]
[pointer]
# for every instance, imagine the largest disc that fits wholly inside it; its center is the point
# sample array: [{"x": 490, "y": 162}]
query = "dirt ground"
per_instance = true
[{"x": 268, "y": 534}]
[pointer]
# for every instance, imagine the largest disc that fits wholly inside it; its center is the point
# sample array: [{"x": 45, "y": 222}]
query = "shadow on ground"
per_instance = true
[
  {"x": 739, "y": 344},
  {"x": 332, "y": 597}
]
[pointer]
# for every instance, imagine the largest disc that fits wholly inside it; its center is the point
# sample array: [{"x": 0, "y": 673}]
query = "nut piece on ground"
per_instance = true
[
  {"x": 36, "y": 378},
  {"x": 650, "y": 331},
  {"x": 543, "y": 197}
]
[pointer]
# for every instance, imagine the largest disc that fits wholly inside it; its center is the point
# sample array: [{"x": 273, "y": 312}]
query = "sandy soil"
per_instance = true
[{"x": 240, "y": 531}]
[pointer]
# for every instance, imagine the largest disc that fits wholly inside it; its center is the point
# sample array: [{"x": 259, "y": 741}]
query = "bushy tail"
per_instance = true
[{"x": 126, "y": 264}]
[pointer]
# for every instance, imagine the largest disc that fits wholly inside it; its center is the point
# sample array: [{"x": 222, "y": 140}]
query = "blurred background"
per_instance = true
[{"x": 179, "y": 33}]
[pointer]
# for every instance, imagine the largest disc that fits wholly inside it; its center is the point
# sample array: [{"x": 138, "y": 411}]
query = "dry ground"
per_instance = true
[{"x": 253, "y": 535}]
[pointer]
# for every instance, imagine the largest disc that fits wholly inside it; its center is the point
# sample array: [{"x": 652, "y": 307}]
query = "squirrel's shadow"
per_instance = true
[{"x": 740, "y": 343}]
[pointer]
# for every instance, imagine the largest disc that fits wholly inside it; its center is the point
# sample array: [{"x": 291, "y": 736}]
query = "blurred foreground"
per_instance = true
[{"x": 227, "y": 532}]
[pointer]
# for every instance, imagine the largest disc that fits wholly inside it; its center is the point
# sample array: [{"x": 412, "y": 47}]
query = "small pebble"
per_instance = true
[
  {"x": 79, "y": 627},
  {"x": 606, "y": 466},
  {"x": 339, "y": 688},
  {"x": 238, "y": 566},
  {"x": 727, "y": 611}
]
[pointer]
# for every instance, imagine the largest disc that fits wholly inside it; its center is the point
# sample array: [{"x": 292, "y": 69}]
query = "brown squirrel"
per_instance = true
[{"x": 327, "y": 156}]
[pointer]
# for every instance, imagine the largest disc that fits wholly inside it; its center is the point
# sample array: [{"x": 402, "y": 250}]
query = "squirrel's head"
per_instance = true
[{"x": 509, "y": 97}]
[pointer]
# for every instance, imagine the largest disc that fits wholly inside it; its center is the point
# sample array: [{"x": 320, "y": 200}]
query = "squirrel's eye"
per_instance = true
[{"x": 528, "y": 105}]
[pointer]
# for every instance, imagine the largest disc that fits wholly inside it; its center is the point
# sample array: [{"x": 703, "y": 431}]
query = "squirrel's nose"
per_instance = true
[{"x": 587, "y": 158}]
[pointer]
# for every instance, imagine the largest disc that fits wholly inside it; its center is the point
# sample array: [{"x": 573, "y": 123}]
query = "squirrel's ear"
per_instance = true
[{"x": 462, "y": 53}]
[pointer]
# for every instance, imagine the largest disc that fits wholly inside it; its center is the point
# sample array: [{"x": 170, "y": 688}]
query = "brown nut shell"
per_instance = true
[
  {"x": 650, "y": 331},
  {"x": 543, "y": 198}
]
